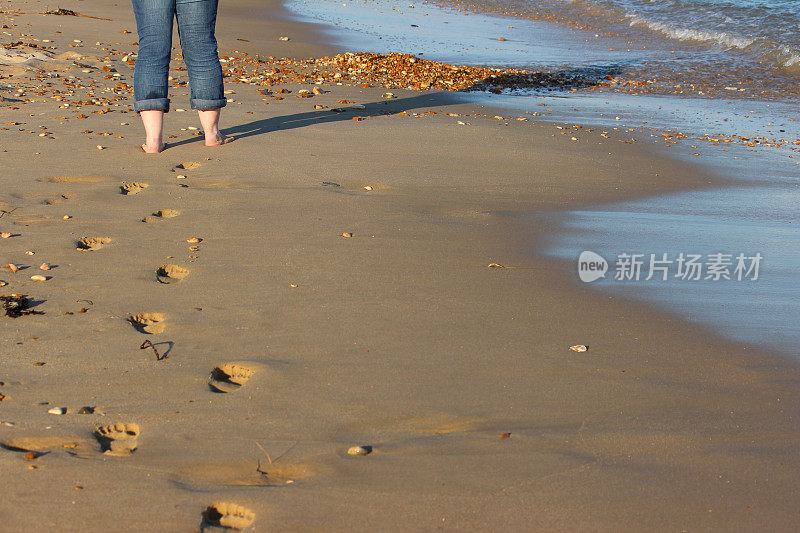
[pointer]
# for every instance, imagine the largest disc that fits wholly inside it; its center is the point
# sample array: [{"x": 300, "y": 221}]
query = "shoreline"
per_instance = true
[{"x": 399, "y": 337}]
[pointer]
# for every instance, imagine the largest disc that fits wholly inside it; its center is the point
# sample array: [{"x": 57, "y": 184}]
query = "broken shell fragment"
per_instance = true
[
  {"x": 194, "y": 240},
  {"x": 38, "y": 277},
  {"x": 387, "y": 95},
  {"x": 347, "y": 234},
  {"x": 359, "y": 450},
  {"x": 170, "y": 273},
  {"x": 5, "y": 235},
  {"x": 45, "y": 266},
  {"x": 57, "y": 411},
  {"x": 12, "y": 267},
  {"x": 579, "y": 348}
]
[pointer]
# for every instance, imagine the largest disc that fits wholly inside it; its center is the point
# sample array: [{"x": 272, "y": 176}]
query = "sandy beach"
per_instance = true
[{"x": 335, "y": 291}]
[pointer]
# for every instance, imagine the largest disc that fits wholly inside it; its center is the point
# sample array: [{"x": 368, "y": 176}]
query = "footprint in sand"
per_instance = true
[
  {"x": 74, "y": 179},
  {"x": 58, "y": 199},
  {"x": 205, "y": 477},
  {"x": 187, "y": 165},
  {"x": 170, "y": 273},
  {"x": 228, "y": 377},
  {"x": 161, "y": 214},
  {"x": 133, "y": 187},
  {"x": 91, "y": 244},
  {"x": 119, "y": 440},
  {"x": 41, "y": 444},
  {"x": 229, "y": 515},
  {"x": 152, "y": 323}
]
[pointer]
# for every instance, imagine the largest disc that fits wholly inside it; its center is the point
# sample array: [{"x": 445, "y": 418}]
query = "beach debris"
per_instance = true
[
  {"x": 228, "y": 377},
  {"x": 151, "y": 323},
  {"x": 86, "y": 410},
  {"x": 504, "y": 435},
  {"x": 3, "y": 283},
  {"x": 101, "y": 147},
  {"x": 133, "y": 187},
  {"x": 304, "y": 93},
  {"x": 169, "y": 273},
  {"x": 347, "y": 234},
  {"x": 330, "y": 184},
  {"x": 187, "y": 165},
  {"x": 29, "y": 252},
  {"x": 283, "y": 38},
  {"x": 359, "y": 450},
  {"x": 57, "y": 411},
  {"x": 317, "y": 91},
  {"x": 167, "y": 213},
  {"x": 92, "y": 244},
  {"x": 12, "y": 267},
  {"x": 194, "y": 240},
  {"x": 388, "y": 95},
  {"x": 229, "y": 515},
  {"x": 367, "y": 187},
  {"x": 579, "y": 348},
  {"x": 45, "y": 266},
  {"x": 494, "y": 265},
  {"x": 320, "y": 106},
  {"x": 6, "y": 235},
  {"x": 149, "y": 344},
  {"x": 17, "y": 305},
  {"x": 119, "y": 440},
  {"x": 38, "y": 277}
]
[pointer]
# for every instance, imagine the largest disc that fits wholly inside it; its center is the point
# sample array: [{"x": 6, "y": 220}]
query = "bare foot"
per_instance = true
[
  {"x": 218, "y": 139},
  {"x": 153, "y": 148}
]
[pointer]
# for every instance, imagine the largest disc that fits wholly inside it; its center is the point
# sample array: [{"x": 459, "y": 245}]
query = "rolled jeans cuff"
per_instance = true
[
  {"x": 153, "y": 104},
  {"x": 208, "y": 105}
]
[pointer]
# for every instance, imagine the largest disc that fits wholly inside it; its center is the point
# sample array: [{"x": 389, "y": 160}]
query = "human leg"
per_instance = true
[{"x": 150, "y": 84}]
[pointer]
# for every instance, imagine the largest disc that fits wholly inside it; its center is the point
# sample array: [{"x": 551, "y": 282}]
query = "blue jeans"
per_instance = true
[{"x": 196, "y": 23}]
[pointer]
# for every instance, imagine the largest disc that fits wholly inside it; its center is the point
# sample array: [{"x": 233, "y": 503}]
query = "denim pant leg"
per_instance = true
[
  {"x": 196, "y": 23},
  {"x": 154, "y": 24}
]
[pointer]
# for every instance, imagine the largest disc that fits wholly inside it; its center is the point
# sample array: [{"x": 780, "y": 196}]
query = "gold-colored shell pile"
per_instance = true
[
  {"x": 170, "y": 273},
  {"x": 92, "y": 243},
  {"x": 152, "y": 323},
  {"x": 228, "y": 377},
  {"x": 228, "y": 514}
]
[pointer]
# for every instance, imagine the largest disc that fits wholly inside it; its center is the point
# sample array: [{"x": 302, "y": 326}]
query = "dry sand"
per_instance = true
[{"x": 399, "y": 337}]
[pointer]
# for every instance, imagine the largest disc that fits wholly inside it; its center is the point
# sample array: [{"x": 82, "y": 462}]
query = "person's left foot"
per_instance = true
[{"x": 218, "y": 139}]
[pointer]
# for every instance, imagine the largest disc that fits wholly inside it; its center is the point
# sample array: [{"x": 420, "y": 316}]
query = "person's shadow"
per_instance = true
[{"x": 560, "y": 81}]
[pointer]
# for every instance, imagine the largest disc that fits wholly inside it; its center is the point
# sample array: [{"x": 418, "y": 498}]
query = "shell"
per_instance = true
[
  {"x": 579, "y": 348},
  {"x": 359, "y": 450}
]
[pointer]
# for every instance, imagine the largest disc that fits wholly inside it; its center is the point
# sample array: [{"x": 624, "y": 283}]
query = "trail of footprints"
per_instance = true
[{"x": 121, "y": 439}]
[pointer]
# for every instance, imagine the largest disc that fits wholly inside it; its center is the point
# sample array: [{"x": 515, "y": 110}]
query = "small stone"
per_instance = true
[
  {"x": 283, "y": 39},
  {"x": 359, "y": 450},
  {"x": 58, "y": 411},
  {"x": 101, "y": 147},
  {"x": 347, "y": 234},
  {"x": 194, "y": 240},
  {"x": 367, "y": 187},
  {"x": 37, "y": 277},
  {"x": 5, "y": 235},
  {"x": 45, "y": 266}
]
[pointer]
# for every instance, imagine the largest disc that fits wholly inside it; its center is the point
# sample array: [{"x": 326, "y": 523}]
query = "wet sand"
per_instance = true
[{"x": 399, "y": 337}]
